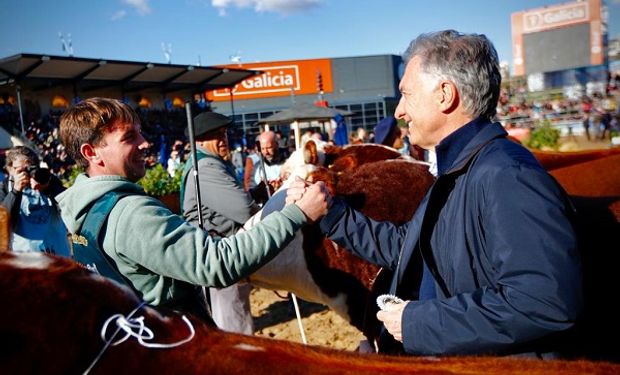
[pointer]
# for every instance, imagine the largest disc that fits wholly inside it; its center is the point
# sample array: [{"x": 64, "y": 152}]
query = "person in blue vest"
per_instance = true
[
  {"x": 128, "y": 236},
  {"x": 28, "y": 195},
  {"x": 489, "y": 262},
  {"x": 225, "y": 208}
]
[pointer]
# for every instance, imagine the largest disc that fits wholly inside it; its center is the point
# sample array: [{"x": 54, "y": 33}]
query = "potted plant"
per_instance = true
[
  {"x": 544, "y": 137},
  {"x": 158, "y": 183}
]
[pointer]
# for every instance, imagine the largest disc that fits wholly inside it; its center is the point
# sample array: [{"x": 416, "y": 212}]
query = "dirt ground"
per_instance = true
[
  {"x": 580, "y": 142},
  {"x": 274, "y": 319}
]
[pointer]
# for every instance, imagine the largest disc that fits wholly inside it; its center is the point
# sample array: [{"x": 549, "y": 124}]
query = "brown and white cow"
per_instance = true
[
  {"x": 371, "y": 178},
  {"x": 319, "y": 271},
  {"x": 53, "y": 312}
]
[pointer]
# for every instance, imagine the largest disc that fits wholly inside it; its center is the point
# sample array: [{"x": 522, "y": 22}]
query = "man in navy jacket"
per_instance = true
[{"x": 489, "y": 262}]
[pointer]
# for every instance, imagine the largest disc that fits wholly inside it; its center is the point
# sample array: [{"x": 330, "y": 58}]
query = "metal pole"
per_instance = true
[
  {"x": 194, "y": 158},
  {"x": 192, "y": 141},
  {"x": 295, "y": 126},
  {"x": 232, "y": 110},
  {"x": 19, "y": 105}
]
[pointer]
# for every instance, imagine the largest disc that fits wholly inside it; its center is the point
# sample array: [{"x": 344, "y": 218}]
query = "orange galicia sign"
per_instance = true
[{"x": 279, "y": 79}]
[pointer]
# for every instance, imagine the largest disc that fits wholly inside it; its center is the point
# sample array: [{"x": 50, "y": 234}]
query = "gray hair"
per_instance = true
[
  {"x": 21, "y": 152},
  {"x": 468, "y": 60}
]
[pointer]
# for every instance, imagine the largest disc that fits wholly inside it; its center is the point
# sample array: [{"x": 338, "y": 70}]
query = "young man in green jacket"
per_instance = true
[{"x": 140, "y": 242}]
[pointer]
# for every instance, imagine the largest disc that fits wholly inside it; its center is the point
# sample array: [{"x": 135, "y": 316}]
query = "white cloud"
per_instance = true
[
  {"x": 118, "y": 15},
  {"x": 141, "y": 6},
  {"x": 275, "y": 6}
]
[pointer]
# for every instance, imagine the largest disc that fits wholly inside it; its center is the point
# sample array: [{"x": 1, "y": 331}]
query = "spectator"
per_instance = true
[
  {"x": 225, "y": 207},
  {"x": 174, "y": 162},
  {"x": 29, "y": 196},
  {"x": 268, "y": 168}
]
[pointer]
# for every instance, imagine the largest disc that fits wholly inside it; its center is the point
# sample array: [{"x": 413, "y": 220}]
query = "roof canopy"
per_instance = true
[
  {"x": 41, "y": 72},
  {"x": 304, "y": 112}
]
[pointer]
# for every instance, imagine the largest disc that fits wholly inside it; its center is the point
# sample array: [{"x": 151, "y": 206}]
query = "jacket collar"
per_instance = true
[{"x": 457, "y": 149}]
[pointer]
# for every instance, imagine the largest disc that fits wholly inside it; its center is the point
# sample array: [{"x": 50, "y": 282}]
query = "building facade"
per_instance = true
[{"x": 365, "y": 85}]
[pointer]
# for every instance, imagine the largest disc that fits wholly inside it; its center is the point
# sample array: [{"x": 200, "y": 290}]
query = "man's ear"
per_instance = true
[
  {"x": 90, "y": 154},
  {"x": 448, "y": 96}
]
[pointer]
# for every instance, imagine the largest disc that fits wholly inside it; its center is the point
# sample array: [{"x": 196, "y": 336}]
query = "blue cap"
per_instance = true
[{"x": 384, "y": 128}]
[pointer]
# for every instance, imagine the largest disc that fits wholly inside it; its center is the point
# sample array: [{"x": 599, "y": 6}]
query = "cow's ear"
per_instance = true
[
  {"x": 311, "y": 154},
  {"x": 331, "y": 154},
  {"x": 332, "y": 150}
]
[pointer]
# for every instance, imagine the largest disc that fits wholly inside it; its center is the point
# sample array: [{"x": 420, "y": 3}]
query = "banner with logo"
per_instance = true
[
  {"x": 557, "y": 17},
  {"x": 280, "y": 78}
]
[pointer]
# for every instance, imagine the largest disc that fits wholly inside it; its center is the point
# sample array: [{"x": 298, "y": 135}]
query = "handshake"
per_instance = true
[{"x": 312, "y": 199}]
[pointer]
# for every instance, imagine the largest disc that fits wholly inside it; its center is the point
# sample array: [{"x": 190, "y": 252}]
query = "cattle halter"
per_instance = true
[{"x": 128, "y": 324}]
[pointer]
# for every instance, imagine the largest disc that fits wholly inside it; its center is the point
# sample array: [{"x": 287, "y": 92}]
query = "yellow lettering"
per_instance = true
[{"x": 80, "y": 240}]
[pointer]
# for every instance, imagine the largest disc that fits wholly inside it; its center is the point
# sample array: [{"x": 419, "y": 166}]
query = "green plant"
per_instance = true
[
  {"x": 158, "y": 182},
  {"x": 544, "y": 136},
  {"x": 75, "y": 171}
]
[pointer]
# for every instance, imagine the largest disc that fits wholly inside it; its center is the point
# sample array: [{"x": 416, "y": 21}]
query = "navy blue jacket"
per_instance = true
[{"x": 504, "y": 244}]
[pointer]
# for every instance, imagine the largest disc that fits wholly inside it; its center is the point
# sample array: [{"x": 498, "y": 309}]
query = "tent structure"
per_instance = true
[
  {"x": 7, "y": 140},
  {"x": 41, "y": 72},
  {"x": 303, "y": 113}
]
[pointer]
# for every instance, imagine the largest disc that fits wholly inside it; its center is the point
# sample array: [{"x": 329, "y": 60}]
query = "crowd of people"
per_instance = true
[
  {"x": 597, "y": 113},
  {"x": 462, "y": 265}
]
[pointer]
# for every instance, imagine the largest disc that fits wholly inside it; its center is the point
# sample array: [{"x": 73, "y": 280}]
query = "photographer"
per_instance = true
[{"x": 28, "y": 195}]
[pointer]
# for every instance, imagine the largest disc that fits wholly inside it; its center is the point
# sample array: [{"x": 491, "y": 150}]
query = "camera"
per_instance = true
[{"x": 40, "y": 175}]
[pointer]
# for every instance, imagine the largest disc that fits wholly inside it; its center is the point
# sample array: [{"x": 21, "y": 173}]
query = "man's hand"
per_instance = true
[
  {"x": 296, "y": 189},
  {"x": 313, "y": 200},
  {"x": 393, "y": 320}
]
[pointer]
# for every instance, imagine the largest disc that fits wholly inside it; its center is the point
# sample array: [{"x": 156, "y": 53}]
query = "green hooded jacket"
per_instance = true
[{"x": 160, "y": 253}]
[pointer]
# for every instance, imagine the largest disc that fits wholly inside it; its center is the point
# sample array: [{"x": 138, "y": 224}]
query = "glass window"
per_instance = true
[
  {"x": 357, "y": 121},
  {"x": 370, "y": 106},
  {"x": 249, "y": 117}
]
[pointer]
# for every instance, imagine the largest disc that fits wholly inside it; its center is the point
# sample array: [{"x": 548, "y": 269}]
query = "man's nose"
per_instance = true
[
  {"x": 142, "y": 143},
  {"x": 399, "y": 112}
]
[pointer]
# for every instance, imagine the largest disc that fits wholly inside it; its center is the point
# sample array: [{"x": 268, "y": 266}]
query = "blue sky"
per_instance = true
[{"x": 211, "y": 31}]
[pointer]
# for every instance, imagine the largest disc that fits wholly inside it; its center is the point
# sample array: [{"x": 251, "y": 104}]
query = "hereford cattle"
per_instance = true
[
  {"x": 54, "y": 311},
  {"x": 316, "y": 269},
  {"x": 338, "y": 159}
]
